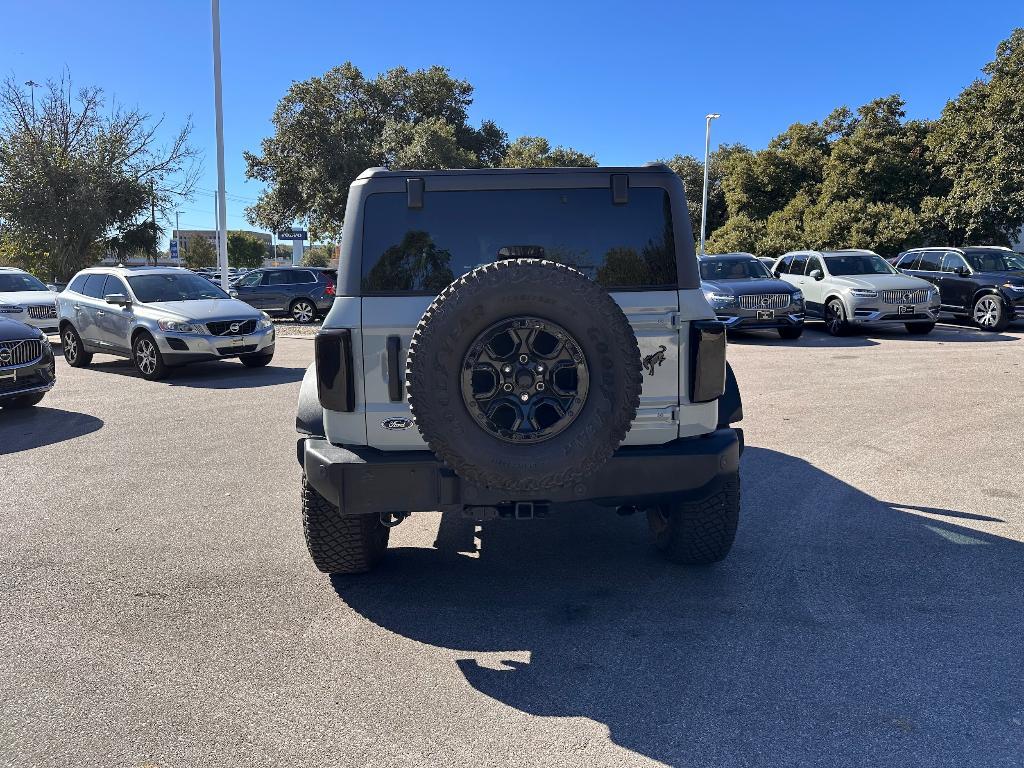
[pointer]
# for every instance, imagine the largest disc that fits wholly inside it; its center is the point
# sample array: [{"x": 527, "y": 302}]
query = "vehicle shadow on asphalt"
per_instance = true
[
  {"x": 841, "y": 630},
  {"x": 815, "y": 335},
  {"x": 216, "y": 374},
  {"x": 27, "y": 428}
]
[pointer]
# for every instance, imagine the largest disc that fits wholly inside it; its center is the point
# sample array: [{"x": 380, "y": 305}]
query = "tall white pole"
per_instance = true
[
  {"x": 707, "y": 154},
  {"x": 222, "y": 224}
]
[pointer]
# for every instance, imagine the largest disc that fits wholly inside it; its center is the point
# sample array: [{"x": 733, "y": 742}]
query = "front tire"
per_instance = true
[
  {"x": 340, "y": 543},
  {"x": 74, "y": 351},
  {"x": 791, "y": 332},
  {"x": 23, "y": 401},
  {"x": 148, "y": 360},
  {"x": 989, "y": 313},
  {"x": 303, "y": 311},
  {"x": 835, "y": 318},
  {"x": 256, "y": 361},
  {"x": 701, "y": 531},
  {"x": 920, "y": 329}
]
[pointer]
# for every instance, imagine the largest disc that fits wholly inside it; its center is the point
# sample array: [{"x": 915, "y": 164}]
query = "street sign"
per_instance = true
[
  {"x": 292, "y": 234},
  {"x": 174, "y": 249}
]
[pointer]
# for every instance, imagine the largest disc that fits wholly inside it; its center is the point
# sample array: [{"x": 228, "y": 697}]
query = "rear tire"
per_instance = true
[
  {"x": 23, "y": 401},
  {"x": 74, "y": 352},
  {"x": 340, "y": 543},
  {"x": 302, "y": 311},
  {"x": 256, "y": 361},
  {"x": 920, "y": 329},
  {"x": 700, "y": 531},
  {"x": 791, "y": 332}
]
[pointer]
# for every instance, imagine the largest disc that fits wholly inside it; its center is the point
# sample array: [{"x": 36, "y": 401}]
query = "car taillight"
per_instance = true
[
  {"x": 334, "y": 369},
  {"x": 330, "y": 289}
]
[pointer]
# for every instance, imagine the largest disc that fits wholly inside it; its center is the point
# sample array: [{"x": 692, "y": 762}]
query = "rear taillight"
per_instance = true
[
  {"x": 329, "y": 290},
  {"x": 334, "y": 374}
]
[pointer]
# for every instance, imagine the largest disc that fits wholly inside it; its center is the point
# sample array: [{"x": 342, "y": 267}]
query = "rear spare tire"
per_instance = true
[{"x": 523, "y": 375}]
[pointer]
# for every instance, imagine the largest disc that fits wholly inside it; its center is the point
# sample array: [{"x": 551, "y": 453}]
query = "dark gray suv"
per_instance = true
[{"x": 301, "y": 293}]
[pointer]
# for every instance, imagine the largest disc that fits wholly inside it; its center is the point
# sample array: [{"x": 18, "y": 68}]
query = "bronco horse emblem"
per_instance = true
[{"x": 655, "y": 358}]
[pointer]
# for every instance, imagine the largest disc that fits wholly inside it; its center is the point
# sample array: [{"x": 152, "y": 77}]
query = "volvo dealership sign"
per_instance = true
[{"x": 292, "y": 234}]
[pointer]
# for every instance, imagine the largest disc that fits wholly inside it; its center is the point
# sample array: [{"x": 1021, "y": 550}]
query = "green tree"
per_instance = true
[
  {"x": 318, "y": 256},
  {"x": 75, "y": 172},
  {"x": 536, "y": 152},
  {"x": 978, "y": 146},
  {"x": 691, "y": 171},
  {"x": 199, "y": 252},
  {"x": 245, "y": 250},
  {"x": 329, "y": 129}
]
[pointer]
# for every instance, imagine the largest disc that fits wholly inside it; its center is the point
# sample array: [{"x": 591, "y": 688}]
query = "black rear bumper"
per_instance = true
[{"x": 366, "y": 481}]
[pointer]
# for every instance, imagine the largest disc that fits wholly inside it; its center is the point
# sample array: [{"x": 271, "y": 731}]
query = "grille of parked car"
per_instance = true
[
  {"x": 764, "y": 300},
  {"x": 15, "y": 353},
  {"x": 231, "y": 327},
  {"x": 915, "y": 296},
  {"x": 42, "y": 311}
]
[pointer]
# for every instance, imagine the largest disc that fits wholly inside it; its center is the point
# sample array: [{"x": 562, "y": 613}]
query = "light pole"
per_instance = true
[
  {"x": 222, "y": 224},
  {"x": 707, "y": 153},
  {"x": 32, "y": 84}
]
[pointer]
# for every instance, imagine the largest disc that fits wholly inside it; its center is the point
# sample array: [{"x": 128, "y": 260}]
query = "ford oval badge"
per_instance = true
[{"x": 396, "y": 423}]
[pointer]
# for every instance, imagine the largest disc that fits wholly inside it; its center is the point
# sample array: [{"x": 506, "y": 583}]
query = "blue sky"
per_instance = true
[{"x": 628, "y": 81}]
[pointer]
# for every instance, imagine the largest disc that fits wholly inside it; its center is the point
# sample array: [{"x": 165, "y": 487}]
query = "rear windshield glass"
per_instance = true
[
  {"x": 733, "y": 269},
  {"x": 422, "y": 250},
  {"x": 176, "y": 287}
]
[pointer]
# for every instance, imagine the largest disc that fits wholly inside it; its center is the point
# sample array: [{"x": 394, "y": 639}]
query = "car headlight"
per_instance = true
[
  {"x": 264, "y": 322},
  {"x": 863, "y": 293},
  {"x": 720, "y": 299},
  {"x": 1014, "y": 287},
  {"x": 797, "y": 297},
  {"x": 178, "y": 326}
]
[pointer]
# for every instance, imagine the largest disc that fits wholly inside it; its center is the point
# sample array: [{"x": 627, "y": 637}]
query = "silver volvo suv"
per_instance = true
[
  {"x": 854, "y": 287},
  {"x": 158, "y": 317}
]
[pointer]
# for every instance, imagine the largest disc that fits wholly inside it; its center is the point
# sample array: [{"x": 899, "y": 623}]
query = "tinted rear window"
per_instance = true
[
  {"x": 422, "y": 250},
  {"x": 94, "y": 286}
]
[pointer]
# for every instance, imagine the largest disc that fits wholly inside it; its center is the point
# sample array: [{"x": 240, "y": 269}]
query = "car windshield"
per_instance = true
[
  {"x": 733, "y": 269},
  {"x": 995, "y": 261},
  {"x": 174, "y": 287},
  {"x": 858, "y": 264},
  {"x": 17, "y": 281}
]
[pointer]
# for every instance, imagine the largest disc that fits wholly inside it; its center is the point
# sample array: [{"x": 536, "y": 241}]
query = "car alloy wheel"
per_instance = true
[
  {"x": 302, "y": 312},
  {"x": 70, "y": 346},
  {"x": 834, "y": 319},
  {"x": 987, "y": 311},
  {"x": 145, "y": 356}
]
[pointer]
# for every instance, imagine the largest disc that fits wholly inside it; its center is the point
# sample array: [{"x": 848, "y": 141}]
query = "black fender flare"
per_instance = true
[
  {"x": 730, "y": 404},
  {"x": 309, "y": 415}
]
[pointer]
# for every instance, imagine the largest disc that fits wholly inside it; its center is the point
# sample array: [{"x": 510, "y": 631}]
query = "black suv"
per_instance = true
[
  {"x": 984, "y": 283},
  {"x": 303, "y": 293},
  {"x": 26, "y": 365}
]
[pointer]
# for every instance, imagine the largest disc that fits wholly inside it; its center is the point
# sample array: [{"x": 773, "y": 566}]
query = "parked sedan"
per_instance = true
[
  {"x": 985, "y": 284},
  {"x": 859, "y": 288},
  {"x": 745, "y": 295},
  {"x": 26, "y": 365},
  {"x": 299, "y": 292},
  {"x": 24, "y": 298},
  {"x": 159, "y": 317}
]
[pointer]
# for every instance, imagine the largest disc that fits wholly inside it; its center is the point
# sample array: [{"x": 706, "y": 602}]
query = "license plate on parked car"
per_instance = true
[
  {"x": 765, "y": 314},
  {"x": 906, "y": 310}
]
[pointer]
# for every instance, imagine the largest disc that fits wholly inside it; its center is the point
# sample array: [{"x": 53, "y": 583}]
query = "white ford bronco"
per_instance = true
[{"x": 503, "y": 341}]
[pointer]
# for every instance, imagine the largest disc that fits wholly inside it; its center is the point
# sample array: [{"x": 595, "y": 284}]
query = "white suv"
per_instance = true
[
  {"x": 24, "y": 298},
  {"x": 855, "y": 287},
  {"x": 505, "y": 340}
]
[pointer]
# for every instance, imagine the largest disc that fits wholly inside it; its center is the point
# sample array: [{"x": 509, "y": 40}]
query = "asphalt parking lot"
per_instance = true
[{"x": 158, "y": 607}]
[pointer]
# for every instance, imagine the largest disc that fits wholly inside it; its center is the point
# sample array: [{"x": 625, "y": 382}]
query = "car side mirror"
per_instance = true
[
  {"x": 233, "y": 293},
  {"x": 817, "y": 274},
  {"x": 962, "y": 271},
  {"x": 117, "y": 298}
]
